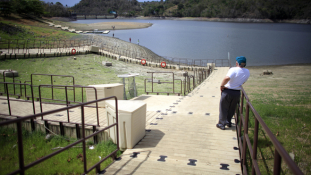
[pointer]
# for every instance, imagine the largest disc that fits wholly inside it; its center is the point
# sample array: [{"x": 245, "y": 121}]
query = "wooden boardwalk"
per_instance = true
[
  {"x": 181, "y": 134},
  {"x": 183, "y": 138}
]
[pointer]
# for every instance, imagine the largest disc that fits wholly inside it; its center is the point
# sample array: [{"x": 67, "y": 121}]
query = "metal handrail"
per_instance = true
[
  {"x": 242, "y": 119},
  {"x": 53, "y": 75},
  {"x": 8, "y": 94},
  {"x": 224, "y": 63},
  {"x": 40, "y": 99},
  {"x": 18, "y": 121},
  {"x": 204, "y": 73},
  {"x": 173, "y": 82},
  {"x": 67, "y": 101}
]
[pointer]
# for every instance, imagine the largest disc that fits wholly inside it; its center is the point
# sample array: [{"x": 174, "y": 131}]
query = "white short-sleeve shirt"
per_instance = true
[{"x": 238, "y": 76}]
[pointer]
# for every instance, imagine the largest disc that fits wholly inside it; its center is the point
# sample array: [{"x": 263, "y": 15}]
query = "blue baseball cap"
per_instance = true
[{"x": 241, "y": 59}]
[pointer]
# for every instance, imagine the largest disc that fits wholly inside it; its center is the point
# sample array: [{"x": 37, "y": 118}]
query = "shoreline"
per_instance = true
[
  {"x": 238, "y": 20},
  {"x": 277, "y": 65},
  {"x": 100, "y": 25}
]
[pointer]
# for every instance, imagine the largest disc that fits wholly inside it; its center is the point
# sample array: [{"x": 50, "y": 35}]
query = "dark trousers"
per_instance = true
[{"x": 228, "y": 102}]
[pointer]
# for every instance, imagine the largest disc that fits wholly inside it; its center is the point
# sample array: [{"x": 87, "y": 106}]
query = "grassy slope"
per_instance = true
[
  {"x": 87, "y": 70},
  {"x": 36, "y": 146},
  {"x": 33, "y": 29},
  {"x": 283, "y": 101}
]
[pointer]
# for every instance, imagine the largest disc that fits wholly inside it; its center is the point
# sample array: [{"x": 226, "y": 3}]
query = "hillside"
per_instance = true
[
  {"x": 120, "y": 7},
  {"x": 18, "y": 27},
  {"x": 258, "y": 9},
  {"x": 169, "y": 11}
]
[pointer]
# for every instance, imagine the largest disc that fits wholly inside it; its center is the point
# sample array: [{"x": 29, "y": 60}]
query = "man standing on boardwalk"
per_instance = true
[{"x": 230, "y": 91}]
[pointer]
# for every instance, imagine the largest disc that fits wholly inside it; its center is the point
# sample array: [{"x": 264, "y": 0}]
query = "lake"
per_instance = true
[{"x": 260, "y": 43}]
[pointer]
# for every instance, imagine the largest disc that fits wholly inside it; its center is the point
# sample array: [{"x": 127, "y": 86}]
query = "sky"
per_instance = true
[{"x": 71, "y": 3}]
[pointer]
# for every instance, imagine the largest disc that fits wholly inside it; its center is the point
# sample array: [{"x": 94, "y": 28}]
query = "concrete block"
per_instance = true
[
  {"x": 184, "y": 74},
  {"x": 94, "y": 49},
  {"x": 132, "y": 119},
  {"x": 211, "y": 65},
  {"x": 106, "y": 63},
  {"x": 103, "y": 91},
  {"x": 10, "y": 73}
]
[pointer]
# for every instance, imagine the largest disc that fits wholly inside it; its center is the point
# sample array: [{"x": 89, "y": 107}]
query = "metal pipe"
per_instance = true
[
  {"x": 277, "y": 163},
  {"x": 8, "y": 98},
  {"x": 33, "y": 100},
  {"x": 67, "y": 103},
  {"x": 52, "y": 87},
  {"x": 245, "y": 126},
  {"x": 40, "y": 101},
  {"x": 255, "y": 144},
  {"x": 20, "y": 148},
  {"x": 83, "y": 137}
]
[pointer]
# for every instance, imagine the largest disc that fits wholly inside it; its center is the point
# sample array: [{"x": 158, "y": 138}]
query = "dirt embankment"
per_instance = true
[{"x": 65, "y": 22}]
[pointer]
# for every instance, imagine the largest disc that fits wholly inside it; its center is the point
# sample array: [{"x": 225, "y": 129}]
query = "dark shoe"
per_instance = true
[
  {"x": 229, "y": 125},
  {"x": 220, "y": 126}
]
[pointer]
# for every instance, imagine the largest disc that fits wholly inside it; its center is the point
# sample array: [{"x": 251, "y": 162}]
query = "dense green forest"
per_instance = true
[
  {"x": 261, "y": 9},
  {"x": 33, "y": 7},
  {"x": 121, "y": 7},
  {"x": 272, "y": 9}
]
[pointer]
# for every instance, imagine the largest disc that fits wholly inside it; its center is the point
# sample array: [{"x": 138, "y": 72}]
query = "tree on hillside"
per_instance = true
[
  {"x": 57, "y": 10},
  {"x": 59, "y": 4},
  {"x": 6, "y": 8},
  {"x": 128, "y": 7},
  {"x": 26, "y": 7}
]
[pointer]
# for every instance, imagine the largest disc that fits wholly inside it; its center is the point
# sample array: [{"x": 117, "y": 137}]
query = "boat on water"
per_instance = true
[{"x": 106, "y": 32}]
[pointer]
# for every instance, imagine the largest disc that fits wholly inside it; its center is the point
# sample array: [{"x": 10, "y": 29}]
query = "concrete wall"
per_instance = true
[{"x": 40, "y": 55}]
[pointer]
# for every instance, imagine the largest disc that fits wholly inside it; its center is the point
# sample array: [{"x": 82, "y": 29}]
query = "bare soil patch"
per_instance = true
[{"x": 104, "y": 25}]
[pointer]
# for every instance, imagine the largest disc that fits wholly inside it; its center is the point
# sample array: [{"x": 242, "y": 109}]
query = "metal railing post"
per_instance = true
[
  {"x": 277, "y": 163},
  {"x": 244, "y": 136},
  {"x": 83, "y": 137},
  {"x": 20, "y": 148},
  {"x": 255, "y": 144},
  {"x": 67, "y": 103},
  {"x": 52, "y": 87},
  {"x": 8, "y": 98}
]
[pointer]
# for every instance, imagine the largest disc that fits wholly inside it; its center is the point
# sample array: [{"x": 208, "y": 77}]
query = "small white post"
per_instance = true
[{"x": 229, "y": 59}]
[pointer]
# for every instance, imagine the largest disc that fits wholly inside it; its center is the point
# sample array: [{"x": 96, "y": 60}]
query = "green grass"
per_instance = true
[
  {"x": 283, "y": 101},
  {"x": 86, "y": 70},
  {"x": 31, "y": 30},
  {"x": 36, "y": 146}
]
